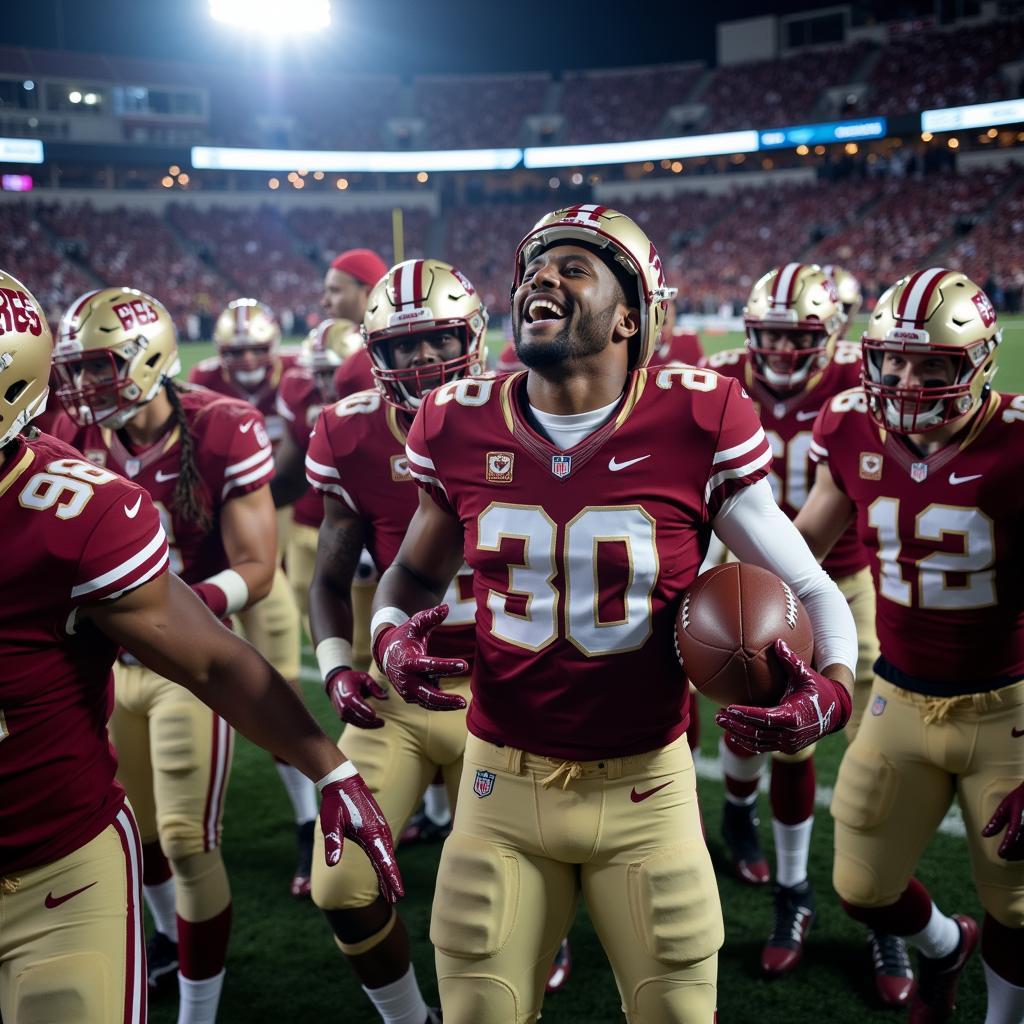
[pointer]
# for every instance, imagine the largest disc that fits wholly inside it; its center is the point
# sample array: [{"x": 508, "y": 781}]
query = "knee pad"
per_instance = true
[
  {"x": 479, "y": 999},
  {"x": 865, "y": 789},
  {"x": 75, "y": 987},
  {"x": 351, "y": 884},
  {"x": 686, "y": 1000},
  {"x": 201, "y": 885},
  {"x": 476, "y": 898},
  {"x": 674, "y": 906}
]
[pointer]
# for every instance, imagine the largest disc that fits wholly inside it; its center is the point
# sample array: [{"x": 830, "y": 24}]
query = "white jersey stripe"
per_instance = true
[
  {"x": 420, "y": 460},
  {"x": 732, "y": 474},
  {"x": 335, "y": 489},
  {"x": 265, "y": 468},
  {"x": 240, "y": 467},
  {"x": 727, "y": 454},
  {"x": 312, "y": 466},
  {"x": 121, "y": 571},
  {"x": 428, "y": 480},
  {"x": 148, "y": 575}
]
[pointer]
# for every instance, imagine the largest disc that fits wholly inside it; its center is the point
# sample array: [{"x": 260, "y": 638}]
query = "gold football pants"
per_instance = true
[{"x": 272, "y": 627}]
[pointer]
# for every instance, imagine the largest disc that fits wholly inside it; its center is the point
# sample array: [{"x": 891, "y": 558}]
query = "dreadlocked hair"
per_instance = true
[{"x": 190, "y": 498}]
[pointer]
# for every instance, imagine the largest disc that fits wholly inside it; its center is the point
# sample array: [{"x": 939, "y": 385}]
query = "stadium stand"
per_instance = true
[{"x": 324, "y": 232}]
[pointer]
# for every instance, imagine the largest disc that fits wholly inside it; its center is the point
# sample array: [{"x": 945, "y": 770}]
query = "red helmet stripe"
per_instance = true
[
  {"x": 913, "y": 304},
  {"x": 81, "y": 304},
  {"x": 585, "y": 211},
  {"x": 785, "y": 282},
  {"x": 409, "y": 290}
]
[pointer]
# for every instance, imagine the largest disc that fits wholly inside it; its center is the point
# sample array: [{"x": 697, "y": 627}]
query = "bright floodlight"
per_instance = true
[{"x": 273, "y": 16}]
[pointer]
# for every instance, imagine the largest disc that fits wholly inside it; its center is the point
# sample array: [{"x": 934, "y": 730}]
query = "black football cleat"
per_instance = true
[
  {"x": 739, "y": 833},
  {"x": 304, "y": 864},
  {"x": 161, "y": 960},
  {"x": 794, "y": 915},
  {"x": 935, "y": 998},
  {"x": 894, "y": 977}
]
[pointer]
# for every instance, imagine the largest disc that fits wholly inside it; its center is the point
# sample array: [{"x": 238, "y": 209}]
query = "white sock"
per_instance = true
[
  {"x": 400, "y": 1002},
  {"x": 435, "y": 804},
  {"x": 199, "y": 999},
  {"x": 792, "y": 845},
  {"x": 742, "y": 769},
  {"x": 1005, "y": 1001},
  {"x": 301, "y": 792},
  {"x": 939, "y": 937},
  {"x": 160, "y": 900}
]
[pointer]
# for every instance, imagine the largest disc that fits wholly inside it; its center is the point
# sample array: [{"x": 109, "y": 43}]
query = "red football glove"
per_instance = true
[
  {"x": 1009, "y": 815},
  {"x": 348, "y": 689},
  {"x": 347, "y": 808},
  {"x": 812, "y": 706},
  {"x": 401, "y": 653}
]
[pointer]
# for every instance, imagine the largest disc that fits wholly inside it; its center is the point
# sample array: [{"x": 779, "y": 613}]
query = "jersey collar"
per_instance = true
[{"x": 16, "y": 464}]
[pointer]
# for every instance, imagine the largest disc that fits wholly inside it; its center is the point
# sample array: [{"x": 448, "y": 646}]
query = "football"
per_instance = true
[{"x": 726, "y": 626}]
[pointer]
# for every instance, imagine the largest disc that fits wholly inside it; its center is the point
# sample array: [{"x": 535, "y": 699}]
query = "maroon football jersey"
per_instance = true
[
  {"x": 211, "y": 373},
  {"x": 76, "y": 535},
  {"x": 355, "y": 374},
  {"x": 946, "y": 542},
  {"x": 678, "y": 346},
  {"x": 234, "y": 457},
  {"x": 789, "y": 423},
  {"x": 357, "y": 456},
  {"x": 580, "y": 558},
  {"x": 299, "y": 404}
]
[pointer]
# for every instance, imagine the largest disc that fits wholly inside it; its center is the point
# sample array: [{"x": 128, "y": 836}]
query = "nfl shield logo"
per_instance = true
[
  {"x": 878, "y": 706},
  {"x": 132, "y": 467},
  {"x": 483, "y": 784},
  {"x": 561, "y": 465},
  {"x": 918, "y": 471}
]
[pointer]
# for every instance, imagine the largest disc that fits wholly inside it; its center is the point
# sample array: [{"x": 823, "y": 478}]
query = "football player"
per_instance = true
[
  {"x": 347, "y": 285},
  {"x": 676, "y": 344},
  {"x": 424, "y": 326},
  {"x": 86, "y": 573},
  {"x": 206, "y": 462},
  {"x": 581, "y": 494},
  {"x": 792, "y": 364},
  {"x": 926, "y": 459},
  {"x": 249, "y": 367},
  {"x": 848, "y": 289}
]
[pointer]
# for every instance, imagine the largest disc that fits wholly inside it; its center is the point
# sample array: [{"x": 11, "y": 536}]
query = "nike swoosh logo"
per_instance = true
[
  {"x": 1016, "y": 733},
  {"x": 808, "y": 414},
  {"x": 954, "y": 479},
  {"x": 637, "y": 797},
  {"x": 246, "y": 426},
  {"x": 132, "y": 511},
  {"x": 52, "y": 901},
  {"x": 616, "y": 466},
  {"x": 161, "y": 476}
]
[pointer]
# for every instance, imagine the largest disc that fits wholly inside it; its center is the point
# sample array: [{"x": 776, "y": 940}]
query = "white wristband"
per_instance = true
[
  {"x": 233, "y": 587},
  {"x": 386, "y": 617},
  {"x": 333, "y": 653},
  {"x": 339, "y": 774}
]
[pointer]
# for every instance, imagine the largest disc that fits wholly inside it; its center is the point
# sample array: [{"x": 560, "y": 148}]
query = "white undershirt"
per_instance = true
[
  {"x": 567, "y": 431},
  {"x": 755, "y": 529}
]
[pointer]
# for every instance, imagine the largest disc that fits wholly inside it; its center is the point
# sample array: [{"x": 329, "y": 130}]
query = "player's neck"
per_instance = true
[
  {"x": 578, "y": 390},
  {"x": 149, "y": 424},
  {"x": 936, "y": 440}
]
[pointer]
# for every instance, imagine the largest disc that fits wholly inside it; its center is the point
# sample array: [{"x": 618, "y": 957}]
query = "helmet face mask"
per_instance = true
[
  {"x": 25, "y": 351},
  {"x": 794, "y": 299},
  {"x": 418, "y": 299},
  {"x": 325, "y": 348},
  {"x": 934, "y": 313},
  {"x": 115, "y": 349},
  {"x": 247, "y": 335}
]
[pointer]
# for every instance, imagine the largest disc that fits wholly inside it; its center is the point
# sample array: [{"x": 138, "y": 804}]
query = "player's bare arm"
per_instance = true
[
  {"x": 231, "y": 677},
  {"x": 247, "y": 526},
  {"x": 413, "y": 585},
  {"x": 341, "y": 539},
  {"x": 289, "y": 483},
  {"x": 825, "y": 515}
]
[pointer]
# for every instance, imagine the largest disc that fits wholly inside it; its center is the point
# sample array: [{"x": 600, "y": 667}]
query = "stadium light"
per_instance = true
[
  {"x": 21, "y": 151},
  {"x": 272, "y": 17},
  {"x": 637, "y": 152},
  {"x": 235, "y": 159},
  {"x": 976, "y": 115}
]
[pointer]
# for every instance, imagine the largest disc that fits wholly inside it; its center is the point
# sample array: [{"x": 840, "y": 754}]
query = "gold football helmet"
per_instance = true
[
  {"x": 848, "y": 287},
  {"x": 794, "y": 299},
  {"x": 115, "y": 348},
  {"x": 629, "y": 246},
  {"x": 25, "y": 349},
  {"x": 934, "y": 312},
  {"x": 325, "y": 348},
  {"x": 421, "y": 297},
  {"x": 247, "y": 335}
]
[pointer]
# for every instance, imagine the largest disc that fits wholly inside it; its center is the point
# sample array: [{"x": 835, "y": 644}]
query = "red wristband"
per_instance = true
[{"x": 213, "y": 597}]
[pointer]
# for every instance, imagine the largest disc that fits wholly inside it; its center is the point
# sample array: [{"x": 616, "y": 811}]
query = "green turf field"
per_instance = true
[{"x": 283, "y": 964}]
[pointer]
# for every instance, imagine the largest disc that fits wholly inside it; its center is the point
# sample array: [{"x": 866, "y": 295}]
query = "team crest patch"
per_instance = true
[
  {"x": 483, "y": 784},
  {"x": 498, "y": 467},
  {"x": 97, "y": 456},
  {"x": 878, "y": 706},
  {"x": 400, "y": 468},
  {"x": 561, "y": 465},
  {"x": 132, "y": 467},
  {"x": 870, "y": 466},
  {"x": 918, "y": 471}
]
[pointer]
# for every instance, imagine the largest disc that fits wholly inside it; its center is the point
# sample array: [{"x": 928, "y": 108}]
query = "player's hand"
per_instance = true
[
  {"x": 348, "y": 690},
  {"x": 1009, "y": 815},
  {"x": 347, "y": 808},
  {"x": 812, "y": 706},
  {"x": 401, "y": 653}
]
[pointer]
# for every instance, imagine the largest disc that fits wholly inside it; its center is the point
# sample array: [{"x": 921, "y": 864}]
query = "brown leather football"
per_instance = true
[{"x": 726, "y": 626}]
